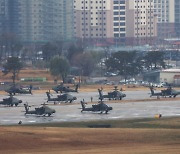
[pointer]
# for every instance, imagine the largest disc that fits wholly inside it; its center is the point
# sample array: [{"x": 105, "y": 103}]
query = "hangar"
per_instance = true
[{"x": 171, "y": 76}]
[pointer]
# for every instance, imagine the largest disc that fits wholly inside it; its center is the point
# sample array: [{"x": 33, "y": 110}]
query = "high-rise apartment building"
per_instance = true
[
  {"x": 93, "y": 19},
  {"x": 119, "y": 19},
  {"x": 68, "y": 19},
  {"x": 38, "y": 21},
  {"x": 164, "y": 9},
  {"x": 48, "y": 20},
  {"x": 4, "y": 16},
  {"x": 141, "y": 21},
  {"x": 177, "y": 18},
  {"x": 100, "y": 19}
]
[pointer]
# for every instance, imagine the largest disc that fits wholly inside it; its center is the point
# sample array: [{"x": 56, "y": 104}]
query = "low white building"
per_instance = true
[{"x": 171, "y": 76}]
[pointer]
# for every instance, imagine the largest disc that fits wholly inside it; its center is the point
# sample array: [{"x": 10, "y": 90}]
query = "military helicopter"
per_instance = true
[
  {"x": 10, "y": 101},
  {"x": 43, "y": 110},
  {"x": 101, "y": 107},
  {"x": 170, "y": 92},
  {"x": 164, "y": 93},
  {"x": 62, "y": 88},
  {"x": 63, "y": 97},
  {"x": 13, "y": 90},
  {"x": 115, "y": 95},
  {"x": 157, "y": 94}
]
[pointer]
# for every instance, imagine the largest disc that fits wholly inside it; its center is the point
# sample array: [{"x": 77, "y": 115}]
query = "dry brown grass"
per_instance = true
[
  {"x": 49, "y": 84},
  {"x": 88, "y": 140},
  {"x": 27, "y": 73}
]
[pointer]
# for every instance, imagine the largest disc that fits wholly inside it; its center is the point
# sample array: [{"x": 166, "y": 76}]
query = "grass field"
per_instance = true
[
  {"x": 50, "y": 81},
  {"x": 140, "y": 136},
  {"x": 164, "y": 123}
]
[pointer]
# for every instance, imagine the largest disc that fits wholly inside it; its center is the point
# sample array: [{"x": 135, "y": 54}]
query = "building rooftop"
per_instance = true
[{"x": 172, "y": 70}]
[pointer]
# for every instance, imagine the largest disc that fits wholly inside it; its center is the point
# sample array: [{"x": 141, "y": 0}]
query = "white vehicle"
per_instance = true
[{"x": 158, "y": 85}]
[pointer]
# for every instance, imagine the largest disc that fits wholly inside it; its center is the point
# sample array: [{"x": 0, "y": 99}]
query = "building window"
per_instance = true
[
  {"x": 116, "y": 29},
  {"x": 122, "y": 13},
  {"x": 116, "y": 18},
  {"x": 122, "y": 29},
  {"x": 116, "y": 2},
  {"x": 116, "y": 13},
  {"x": 116, "y": 7},
  {"x": 122, "y": 24},
  {"x": 116, "y": 24},
  {"x": 116, "y": 35},
  {"x": 122, "y": 18},
  {"x": 122, "y": 35},
  {"x": 122, "y": 7}
]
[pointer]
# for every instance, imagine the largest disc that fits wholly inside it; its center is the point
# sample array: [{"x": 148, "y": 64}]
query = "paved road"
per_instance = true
[{"x": 71, "y": 112}]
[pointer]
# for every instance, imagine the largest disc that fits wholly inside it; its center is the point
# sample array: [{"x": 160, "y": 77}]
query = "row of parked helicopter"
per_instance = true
[{"x": 66, "y": 97}]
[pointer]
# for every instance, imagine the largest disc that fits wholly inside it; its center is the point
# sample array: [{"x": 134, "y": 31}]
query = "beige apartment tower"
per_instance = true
[
  {"x": 165, "y": 17},
  {"x": 122, "y": 21},
  {"x": 141, "y": 22},
  {"x": 119, "y": 19},
  {"x": 93, "y": 19}
]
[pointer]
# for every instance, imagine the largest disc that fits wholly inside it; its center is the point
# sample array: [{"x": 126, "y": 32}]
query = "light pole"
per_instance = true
[
  {"x": 3, "y": 51},
  {"x": 137, "y": 22}
]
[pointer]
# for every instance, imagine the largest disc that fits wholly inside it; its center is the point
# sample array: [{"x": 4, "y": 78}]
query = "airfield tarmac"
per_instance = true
[{"x": 137, "y": 104}]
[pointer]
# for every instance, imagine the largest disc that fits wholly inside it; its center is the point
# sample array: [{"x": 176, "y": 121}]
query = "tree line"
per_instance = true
[
  {"x": 130, "y": 64},
  {"x": 126, "y": 64}
]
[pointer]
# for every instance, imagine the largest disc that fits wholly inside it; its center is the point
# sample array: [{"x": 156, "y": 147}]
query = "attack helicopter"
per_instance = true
[
  {"x": 63, "y": 97},
  {"x": 115, "y": 95},
  {"x": 43, "y": 110},
  {"x": 169, "y": 92},
  {"x": 63, "y": 88},
  {"x": 13, "y": 90},
  {"x": 10, "y": 101},
  {"x": 157, "y": 94},
  {"x": 101, "y": 107}
]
